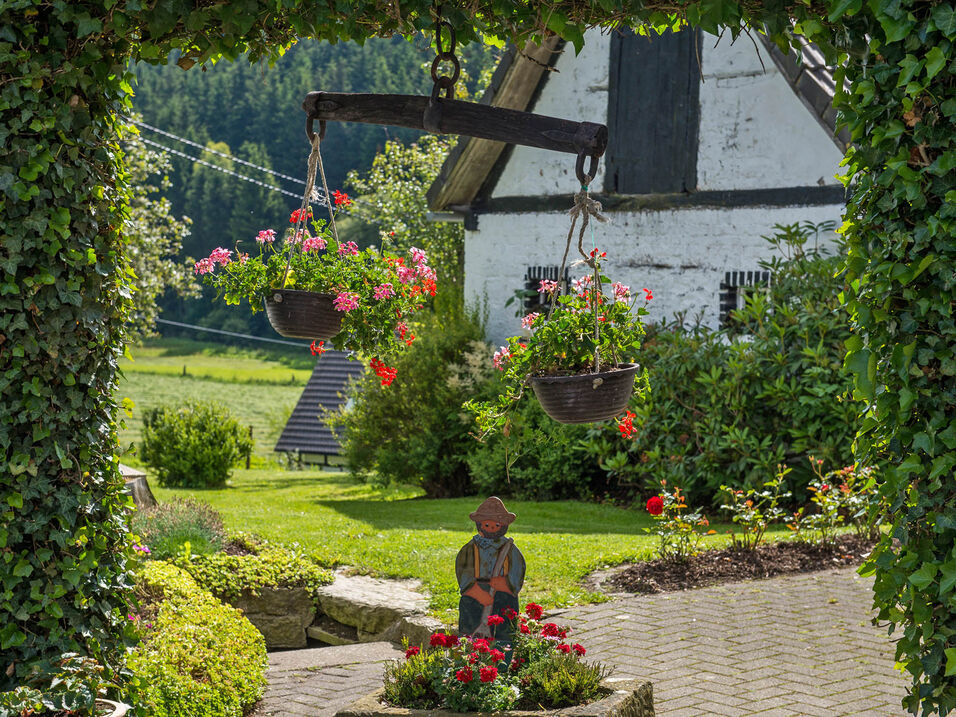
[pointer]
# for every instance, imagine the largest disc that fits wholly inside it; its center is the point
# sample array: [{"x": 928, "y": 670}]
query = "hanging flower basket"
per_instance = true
[
  {"x": 586, "y": 398},
  {"x": 303, "y": 314}
]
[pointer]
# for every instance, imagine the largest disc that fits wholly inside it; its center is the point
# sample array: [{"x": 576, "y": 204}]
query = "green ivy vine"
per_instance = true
[{"x": 64, "y": 289}]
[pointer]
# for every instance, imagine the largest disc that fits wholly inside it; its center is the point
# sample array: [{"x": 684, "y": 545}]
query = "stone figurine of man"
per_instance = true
[{"x": 490, "y": 571}]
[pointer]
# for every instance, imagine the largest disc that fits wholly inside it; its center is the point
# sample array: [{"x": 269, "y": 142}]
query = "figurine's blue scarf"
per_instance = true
[{"x": 488, "y": 543}]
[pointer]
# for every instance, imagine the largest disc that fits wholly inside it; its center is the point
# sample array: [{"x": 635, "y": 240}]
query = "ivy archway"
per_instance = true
[{"x": 63, "y": 291}]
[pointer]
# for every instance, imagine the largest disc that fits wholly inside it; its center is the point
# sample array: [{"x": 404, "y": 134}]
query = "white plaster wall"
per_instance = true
[
  {"x": 577, "y": 91},
  {"x": 754, "y": 130},
  {"x": 680, "y": 255}
]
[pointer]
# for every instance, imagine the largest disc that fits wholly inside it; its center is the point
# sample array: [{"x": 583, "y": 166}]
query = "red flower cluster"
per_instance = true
[
  {"x": 386, "y": 373},
  {"x": 525, "y": 629},
  {"x": 317, "y": 349},
  {"x": 412, "y": 651},
  {"x": 443, "y": 639},
  {"x": 534, "y": 611},
  {"x": 341, "y": 198},
  {"x": 464, "y": 675},
  {"x": 655, "y": 505},
  {"x": 550, "y": 630},
  {"x": 648, "y": 295},
  {"x": 626, "y": 425},
  {"x": 480, "y": 645},
  {"x": 495, "y": 620},
  {"x": 509, "y": 613},
  {"x": 578, "y": 649},
  {"x": 565, "y": 648},
  {"x": 488, "y": 674},
  {"x": 594, "y": 253},
  {"x": 497, "y": 655},
  {"x": 304, "y": 214}
]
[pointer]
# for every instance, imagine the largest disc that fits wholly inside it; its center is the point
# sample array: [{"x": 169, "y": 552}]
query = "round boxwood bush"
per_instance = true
[
  {"x": 198, "y": 657},
  {"x": 193, "y": 445}
]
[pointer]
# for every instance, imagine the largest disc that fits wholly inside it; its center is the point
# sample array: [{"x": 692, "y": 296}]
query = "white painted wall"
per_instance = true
[
  {"x": 680, "y": 255},
  {"x": 577, "y": 91},
  {"x": 754, "y": 130}
]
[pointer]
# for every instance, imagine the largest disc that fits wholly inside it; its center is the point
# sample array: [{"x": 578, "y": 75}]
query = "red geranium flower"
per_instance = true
[
  {"x": 655, "y": 505},
  {"x": 451, "y": 640},
  {"x": 509, "y": 613},
  {"x": 550, "y": 630},
  {"x": 464, "y": 675},
  {"x": 488, "y": 674},
  {"x": 534, "y": 610},
  {"x": 317, "y": 349},
  {"x": 303, "y": 213},
  {"x": 341, "y": 198},
  {"x": 437, "y": 639},
  {"x": 473, "y": 658},
  {"x": 565, "y": 648},
  {"x": 495, "y": 620},
  {"x": 497, "y": 655},
  {"x": 412, "y": 651},
  {"x": 480, "y": 645},
  {"x": 525, "y": 629},
  {"x": 578, "y": 649}
]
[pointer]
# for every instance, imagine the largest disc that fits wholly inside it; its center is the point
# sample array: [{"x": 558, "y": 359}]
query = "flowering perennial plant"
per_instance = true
[
  {"x": 676, "y": 529},
  {"x": 838, "y": 498},
  {"x": 471, "y": 674},
  {"x": 375, "y": 291},
  {"x": 586, "y": 331},
  {"x": 754, "y": 510}
]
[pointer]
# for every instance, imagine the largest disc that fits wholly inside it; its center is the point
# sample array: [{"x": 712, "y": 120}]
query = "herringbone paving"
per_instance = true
[{"x": 796, "y": 646}]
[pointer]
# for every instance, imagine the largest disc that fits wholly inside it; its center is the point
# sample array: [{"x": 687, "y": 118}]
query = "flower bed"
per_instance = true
[{"x": 541, "y": 669}]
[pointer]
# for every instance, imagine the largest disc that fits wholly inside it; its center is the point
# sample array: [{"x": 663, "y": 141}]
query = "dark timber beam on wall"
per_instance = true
[{"x": 729, "y": 199}]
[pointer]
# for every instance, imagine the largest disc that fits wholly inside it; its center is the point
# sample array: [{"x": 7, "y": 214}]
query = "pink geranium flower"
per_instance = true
[
  {"x": 384, "y": 291},
  {"x": 346, "y": 301}
]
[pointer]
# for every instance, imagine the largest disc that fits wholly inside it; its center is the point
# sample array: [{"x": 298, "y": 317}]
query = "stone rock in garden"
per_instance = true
[
  {"x": 417, "y": 629},
  {"x": 138, "y": 487},
  {"x": 280, "y": 614},
  {"x": 327, "y": 630},
  {"x": 629, "y": 698},
  {"x": 369, "y": 604}
]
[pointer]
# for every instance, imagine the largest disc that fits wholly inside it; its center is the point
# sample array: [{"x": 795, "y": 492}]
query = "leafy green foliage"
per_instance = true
[
  {"x": 64, "y": 288},
  {"x": 414, "y": 430},
  {"x": 726, "y": 407},
  {"x": 754, "y": 510},
  {"x": 166, "y": 528},
  {"x": 678, "y": 529},
  {"x": 409, "y": 682},
  {"x": 68, "y": 686},
  {"x": 560, "y": 680},
  {"x": 193, "y": 445},
  {"x": 269, "y": 566},
  {"x": 155, "y": 237},
  {"x": 198, "y": 657}
]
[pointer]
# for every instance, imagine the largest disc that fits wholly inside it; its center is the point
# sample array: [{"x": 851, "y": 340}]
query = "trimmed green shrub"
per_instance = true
[
  {"x": 726, "y": 407},
  {"x": 193, "y": 445},
  {"x": 166, "y": 528},
  {"x": 415, "y": 430},
  {"x": 270, "y": 566},
  {"x": 198, "y": 657}
]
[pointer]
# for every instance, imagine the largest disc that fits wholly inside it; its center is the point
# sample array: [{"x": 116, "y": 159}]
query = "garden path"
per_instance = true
[{"x": 794, "y": 646}]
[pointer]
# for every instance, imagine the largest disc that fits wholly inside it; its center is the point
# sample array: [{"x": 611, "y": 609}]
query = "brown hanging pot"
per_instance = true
[
  {"x": 300, "y": 314},
  {"x": 586, "y": 398}
]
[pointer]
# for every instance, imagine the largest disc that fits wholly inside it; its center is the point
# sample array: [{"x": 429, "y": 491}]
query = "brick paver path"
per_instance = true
[
  {"x": 790, "y": 647},
  {"x": 799, "y": 646}
]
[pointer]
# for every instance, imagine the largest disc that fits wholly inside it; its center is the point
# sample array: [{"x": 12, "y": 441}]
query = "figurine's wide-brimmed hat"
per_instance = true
[{"x": 493, "y": 509}]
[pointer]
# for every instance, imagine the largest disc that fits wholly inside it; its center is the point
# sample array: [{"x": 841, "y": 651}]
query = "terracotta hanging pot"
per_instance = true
[
  {"x": 585, "y": 398},
  {"x": 303, "y": 314}
]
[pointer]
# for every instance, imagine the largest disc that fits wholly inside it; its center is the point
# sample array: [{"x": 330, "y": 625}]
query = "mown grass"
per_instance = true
[
  {"x": 185, "y": 358},
  {"x": 395, "y": 532},
  {"x": 264, "y": 406}
]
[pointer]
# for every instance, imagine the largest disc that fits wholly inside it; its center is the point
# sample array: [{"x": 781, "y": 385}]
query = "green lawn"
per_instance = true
[
  {"x": 262, "y": 406},
  {"x": 394, "y": 532}
]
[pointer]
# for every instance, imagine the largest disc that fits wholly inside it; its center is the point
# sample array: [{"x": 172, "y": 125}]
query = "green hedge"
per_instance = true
[
  {"x": 198, "y": 657},
  {"x": 228, "y": 576},
  {"x": 726, "y": 407}
]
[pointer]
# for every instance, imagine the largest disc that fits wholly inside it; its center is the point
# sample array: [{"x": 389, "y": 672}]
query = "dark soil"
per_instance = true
[{"x": 714, "y": 567}]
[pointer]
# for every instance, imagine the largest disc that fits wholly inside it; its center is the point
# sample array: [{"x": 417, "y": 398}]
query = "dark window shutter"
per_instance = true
[
  {"x": 734, "y": 289},
  {"x": 534, "y": 300},
  {"x": 653, "y": 113}
]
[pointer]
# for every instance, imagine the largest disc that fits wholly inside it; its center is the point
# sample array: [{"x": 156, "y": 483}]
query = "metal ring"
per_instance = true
[
  {"x": 451, "y": 35},
  {"x": 443, "y": 83},
  {"x": 446, "y": 57},
  {"x": 585, "y": 179},
  {"x": 310, "y": 133}
]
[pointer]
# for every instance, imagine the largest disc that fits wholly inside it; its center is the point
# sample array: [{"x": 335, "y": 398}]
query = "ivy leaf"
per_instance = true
[
  {"x": 844, "y": 7},
  {"x": 935, "y": 61},
  {"x": 923, "y": 577},
  {"x": 948, "y": 578},
  {"x": 862, "y": 364},
  {"x": 950, "y": 661},
  {"x": 944, "y": 15}
]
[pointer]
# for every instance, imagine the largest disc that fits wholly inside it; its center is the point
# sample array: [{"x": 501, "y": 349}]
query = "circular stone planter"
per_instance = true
[
  {"x": 585, "y": 398},
  {"x": 628, "y": 698},
  {"x": 303, "y": 314}
]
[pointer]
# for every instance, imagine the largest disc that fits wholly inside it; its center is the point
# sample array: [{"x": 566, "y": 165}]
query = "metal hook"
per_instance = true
[
  {"x": 585, "y": 179},
  {"x": 310, "y": 132}
]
